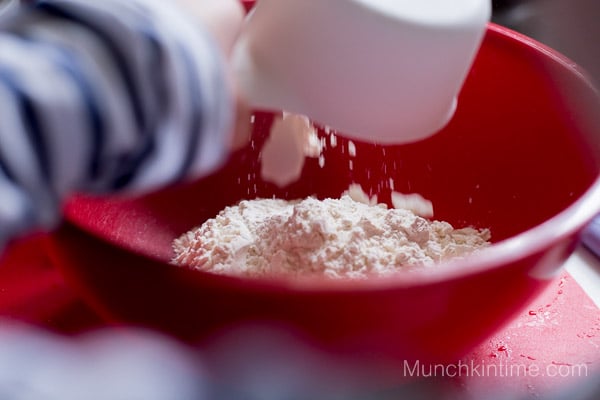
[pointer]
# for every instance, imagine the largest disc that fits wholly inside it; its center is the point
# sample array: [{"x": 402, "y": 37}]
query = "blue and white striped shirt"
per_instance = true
[{"x": 103, "y": 96}]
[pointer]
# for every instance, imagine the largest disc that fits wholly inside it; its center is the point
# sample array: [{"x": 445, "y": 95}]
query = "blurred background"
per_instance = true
[{"x": 569, "y": 26}]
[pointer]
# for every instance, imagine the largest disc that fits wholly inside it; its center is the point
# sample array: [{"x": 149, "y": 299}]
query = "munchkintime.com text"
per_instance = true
[{"x": 482, "y": 369}]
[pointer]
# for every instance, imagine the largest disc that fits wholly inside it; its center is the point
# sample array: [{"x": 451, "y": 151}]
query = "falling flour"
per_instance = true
[
  {"x": 332, "y": 238},
  {"x": 291, "y": 139}
]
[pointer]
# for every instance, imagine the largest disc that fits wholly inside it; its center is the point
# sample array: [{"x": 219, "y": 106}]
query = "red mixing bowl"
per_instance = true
[{"x": 521, "y": 157}]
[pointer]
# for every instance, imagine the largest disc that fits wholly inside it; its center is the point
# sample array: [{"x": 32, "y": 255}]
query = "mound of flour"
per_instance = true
[{"x": 334, "y": 238}]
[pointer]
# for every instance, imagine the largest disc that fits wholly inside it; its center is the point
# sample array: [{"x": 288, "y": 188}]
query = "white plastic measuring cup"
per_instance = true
[{"x": 385, "y": 71}]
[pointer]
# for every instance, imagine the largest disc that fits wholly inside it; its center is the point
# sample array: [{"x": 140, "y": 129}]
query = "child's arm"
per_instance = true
[{"x": 105, "y": 96}]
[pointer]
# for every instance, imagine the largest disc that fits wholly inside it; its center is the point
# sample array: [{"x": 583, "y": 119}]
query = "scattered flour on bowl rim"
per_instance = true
[{"x": 333, "y": 238}]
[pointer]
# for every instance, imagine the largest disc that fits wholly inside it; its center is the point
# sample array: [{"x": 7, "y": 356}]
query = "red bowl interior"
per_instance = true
[{"x": 521, "y": 157}]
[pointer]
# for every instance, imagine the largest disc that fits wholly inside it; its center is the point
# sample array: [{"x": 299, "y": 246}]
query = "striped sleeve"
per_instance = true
[{"x": 103, "y": 96}]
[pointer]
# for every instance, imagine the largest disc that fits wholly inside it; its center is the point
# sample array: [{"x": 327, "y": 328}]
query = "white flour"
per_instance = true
[
  {"x": 334, "y": 238},
  {"x": 291, "y": 139}
]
